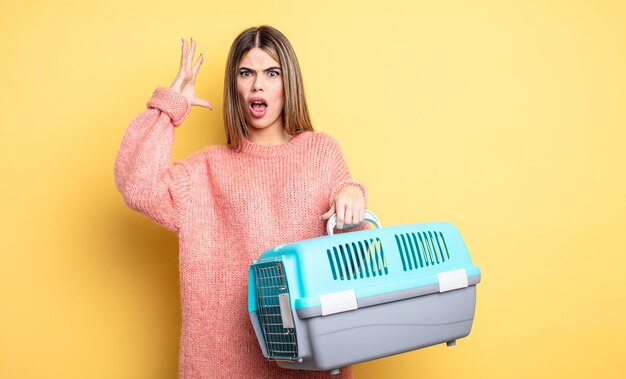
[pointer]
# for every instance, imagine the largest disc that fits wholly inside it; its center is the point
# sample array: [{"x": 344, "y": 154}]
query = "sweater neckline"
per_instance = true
[{"x": 255, "y": 149}]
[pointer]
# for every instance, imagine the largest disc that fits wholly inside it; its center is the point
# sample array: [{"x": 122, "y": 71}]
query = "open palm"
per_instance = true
[{"x": 186, "y": 78}]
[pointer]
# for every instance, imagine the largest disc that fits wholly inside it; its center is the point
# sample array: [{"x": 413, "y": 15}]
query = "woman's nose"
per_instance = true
[{"x": 257, "y": 84}]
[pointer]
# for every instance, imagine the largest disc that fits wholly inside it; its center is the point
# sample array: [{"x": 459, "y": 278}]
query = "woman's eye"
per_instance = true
[
  {"x": 245, "y": 73},
  {"x": 273, "y": 73}
]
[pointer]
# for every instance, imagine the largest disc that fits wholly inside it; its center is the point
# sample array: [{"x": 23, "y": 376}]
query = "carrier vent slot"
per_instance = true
[
  {"x": 271, "y": 282},
  {"x": 357, "y": 260},
  {"x": 331, "y": 261},
  {"x": 421, "y": 249}
]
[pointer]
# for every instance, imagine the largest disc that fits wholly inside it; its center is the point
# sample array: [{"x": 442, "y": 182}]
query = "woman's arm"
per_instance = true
[
  {"x": 347, "y": 197},
  {"x": 144, "y": 174}
]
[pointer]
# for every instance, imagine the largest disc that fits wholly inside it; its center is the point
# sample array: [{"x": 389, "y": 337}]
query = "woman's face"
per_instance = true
[{"x": 260, "y": 89}]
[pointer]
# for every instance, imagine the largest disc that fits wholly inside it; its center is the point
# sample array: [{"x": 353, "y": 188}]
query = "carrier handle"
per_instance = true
[{"x": 369, "y": 216}]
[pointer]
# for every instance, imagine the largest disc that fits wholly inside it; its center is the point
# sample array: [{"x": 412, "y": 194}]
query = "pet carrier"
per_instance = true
[{"x": 332, "y": 301}]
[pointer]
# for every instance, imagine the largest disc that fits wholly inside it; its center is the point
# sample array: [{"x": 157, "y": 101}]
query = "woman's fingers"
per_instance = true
[
  {"x": 188, "y": 71},
  {"x": 179, "y": 81},
  {"x": 340, "y": 210},
  {"x": 196, "y": 68},
  {"x": 349, "y": 206},
  {"x": 186, "y": 58},
  {"x": 354, "y": 214},
  {"x": 349, "y": 215},
  {"x": 190, "y": 55},
  {"x": 183, "y": 56}
]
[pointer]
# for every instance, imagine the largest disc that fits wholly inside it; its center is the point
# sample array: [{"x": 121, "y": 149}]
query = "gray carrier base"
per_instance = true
[{"x": 374, "y": 331}]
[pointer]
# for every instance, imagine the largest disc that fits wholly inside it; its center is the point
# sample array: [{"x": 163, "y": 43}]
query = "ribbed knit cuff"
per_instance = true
[
  {"x": 170, "y": 102},
  {"x": 343, "y": 183}
]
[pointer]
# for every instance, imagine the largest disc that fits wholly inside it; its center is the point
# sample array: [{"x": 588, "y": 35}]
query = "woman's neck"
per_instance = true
[{"x": 268, "y": 137}]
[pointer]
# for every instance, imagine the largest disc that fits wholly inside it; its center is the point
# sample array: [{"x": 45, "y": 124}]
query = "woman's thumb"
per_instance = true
[
  {"x": 203, "y": 103},
  {"x": 328, "y": 214}
]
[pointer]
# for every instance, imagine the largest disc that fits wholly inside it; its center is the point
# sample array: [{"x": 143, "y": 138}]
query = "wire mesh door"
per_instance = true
[{"x": 272, "y": 295}]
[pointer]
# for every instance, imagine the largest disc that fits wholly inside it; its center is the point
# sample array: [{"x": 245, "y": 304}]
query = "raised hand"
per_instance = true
[{"x": 186, "y": 78}]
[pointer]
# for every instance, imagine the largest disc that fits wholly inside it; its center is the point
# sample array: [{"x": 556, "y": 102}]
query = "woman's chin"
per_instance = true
[{"x": 263, "y": 125}]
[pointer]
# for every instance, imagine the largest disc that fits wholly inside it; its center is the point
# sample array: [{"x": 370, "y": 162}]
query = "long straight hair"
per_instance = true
[{"x": 295, "y": 112}]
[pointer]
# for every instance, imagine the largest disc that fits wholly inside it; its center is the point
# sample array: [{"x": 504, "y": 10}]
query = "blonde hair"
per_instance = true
[{"x": 295, "y": 112}]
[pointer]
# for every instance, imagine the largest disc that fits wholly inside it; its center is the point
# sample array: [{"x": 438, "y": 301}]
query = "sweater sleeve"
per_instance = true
[
  {"x": 340, "y": 174},
  {"x": 144, "y": 173},
  {"x": 341, "y": 178}
]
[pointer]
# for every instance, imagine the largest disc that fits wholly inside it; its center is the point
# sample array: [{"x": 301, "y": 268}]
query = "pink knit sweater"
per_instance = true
[{"x": 227, "y": 207}]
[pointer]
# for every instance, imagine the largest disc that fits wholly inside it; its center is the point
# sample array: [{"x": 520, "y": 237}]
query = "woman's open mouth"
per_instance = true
[{"x": 258, "y": 108}]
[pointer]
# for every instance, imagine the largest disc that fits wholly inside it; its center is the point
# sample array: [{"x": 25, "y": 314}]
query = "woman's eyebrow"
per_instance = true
[{"x": 267, "y": 69}]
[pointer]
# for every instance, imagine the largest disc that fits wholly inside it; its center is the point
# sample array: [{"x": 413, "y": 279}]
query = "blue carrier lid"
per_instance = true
[{"x": 346, "y": 271}]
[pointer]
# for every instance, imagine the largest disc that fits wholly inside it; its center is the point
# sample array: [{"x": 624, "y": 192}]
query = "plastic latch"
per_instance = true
[
  {"x": 336, "y": 302},
  {"x": 285, "y": 310},
  {"x": 452, "y": 280}
]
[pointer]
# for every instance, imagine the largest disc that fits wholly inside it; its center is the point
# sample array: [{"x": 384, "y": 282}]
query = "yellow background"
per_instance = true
[{"x": 505, "y": 118}]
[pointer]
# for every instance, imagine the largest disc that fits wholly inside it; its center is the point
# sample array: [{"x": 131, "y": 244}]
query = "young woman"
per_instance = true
[{"x": 276, "y": 181}]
